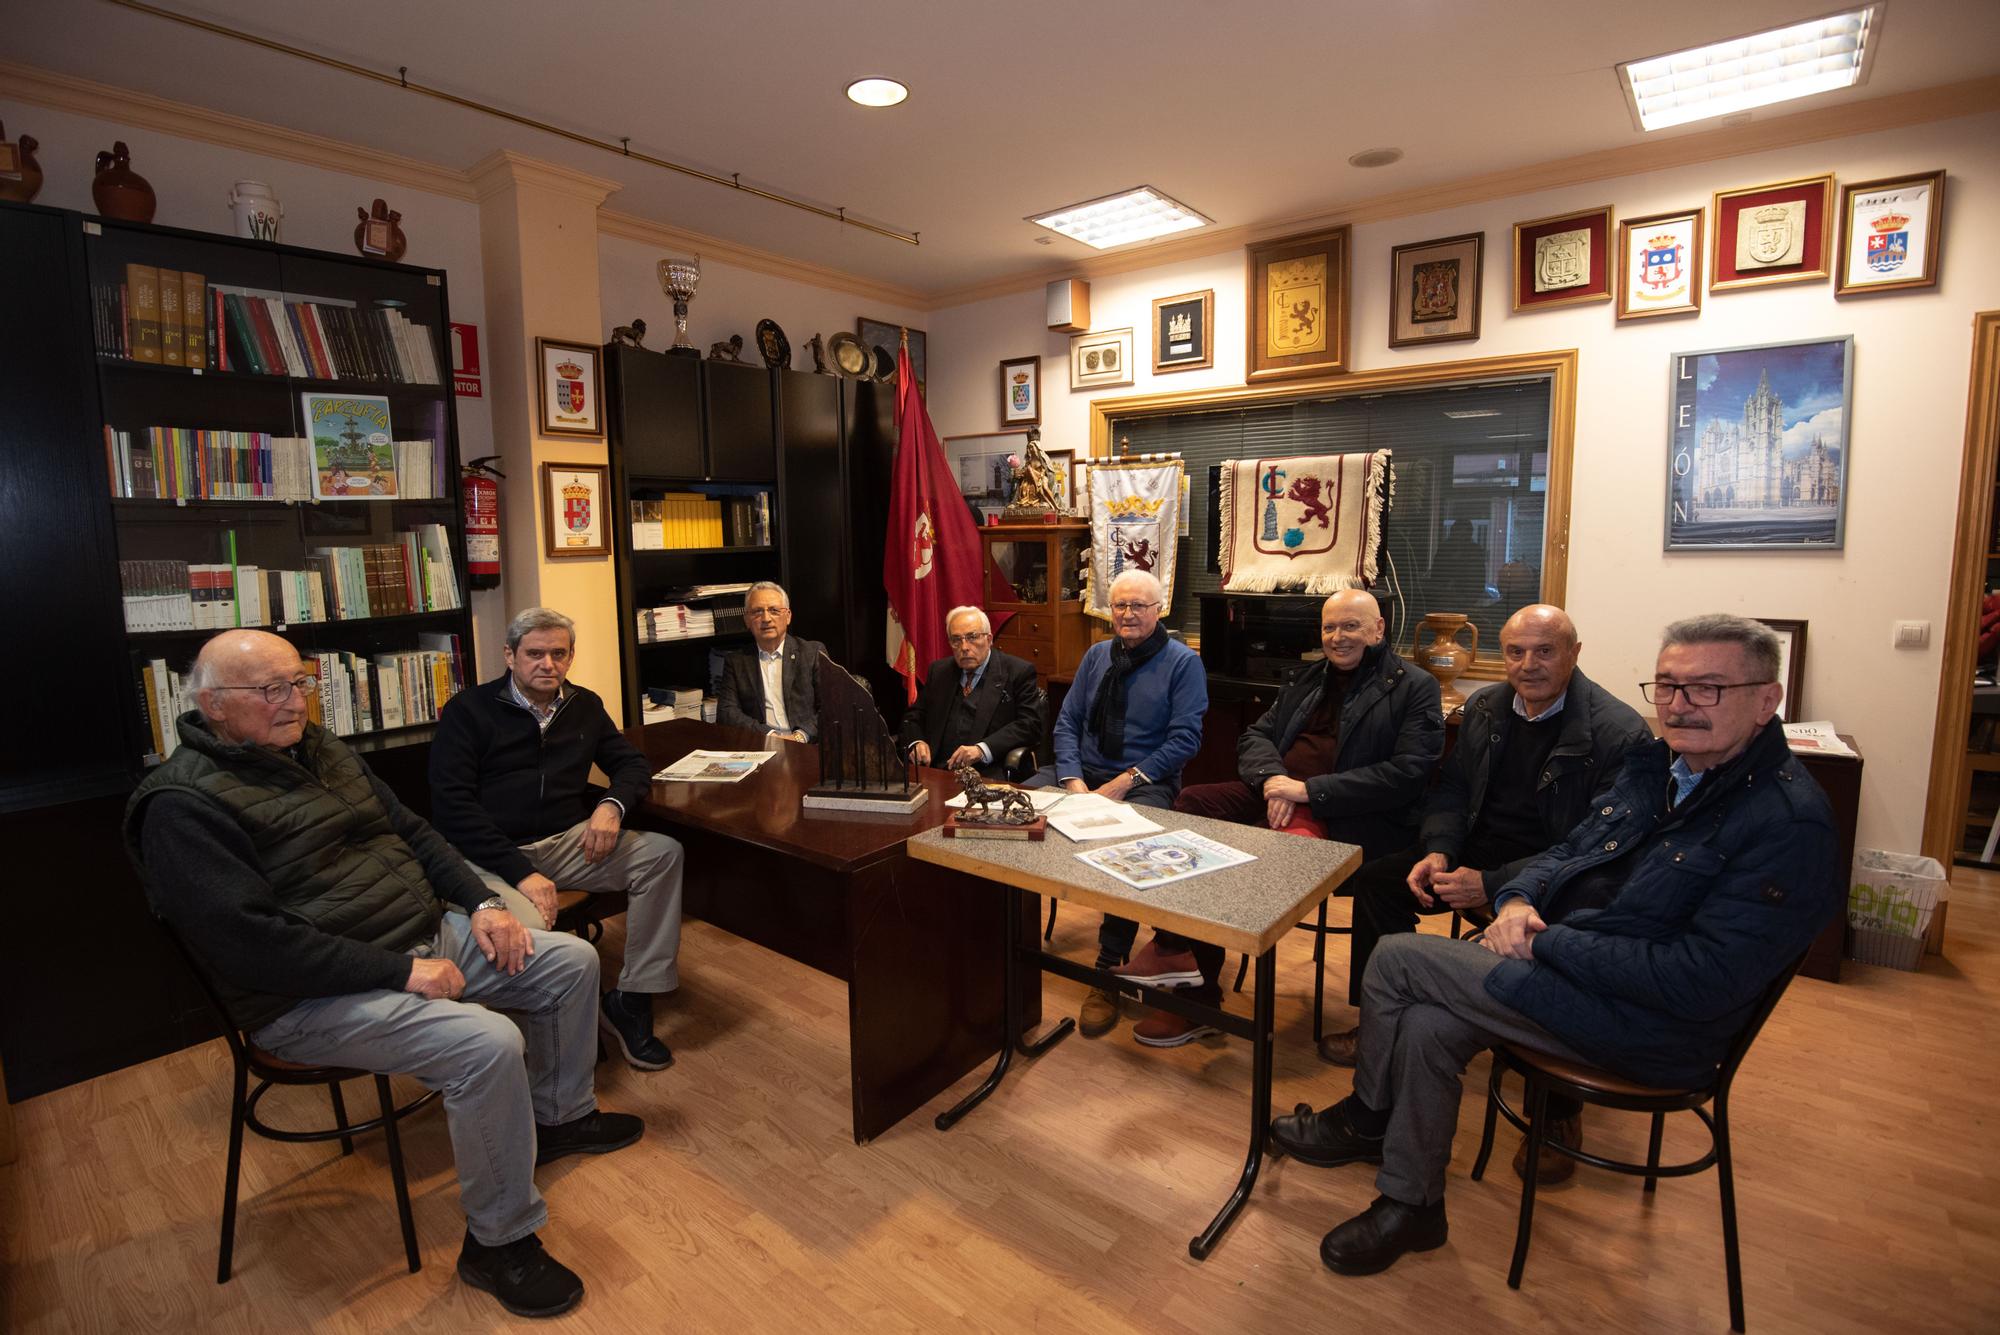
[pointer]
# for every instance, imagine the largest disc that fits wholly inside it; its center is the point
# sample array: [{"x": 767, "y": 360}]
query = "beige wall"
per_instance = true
[{"x": 1911, "y": 358}]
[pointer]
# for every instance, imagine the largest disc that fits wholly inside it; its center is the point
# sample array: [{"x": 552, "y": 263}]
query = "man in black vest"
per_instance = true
[
  {"x": 774, "y": 688},
  {"x": 311, "y": 896},
  {"x": 975, "y": 706},
  {"x": 510, "y": 787}
]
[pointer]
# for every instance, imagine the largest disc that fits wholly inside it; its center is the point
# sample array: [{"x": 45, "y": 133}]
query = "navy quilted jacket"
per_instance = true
[{"x": 1724, "y": 892}]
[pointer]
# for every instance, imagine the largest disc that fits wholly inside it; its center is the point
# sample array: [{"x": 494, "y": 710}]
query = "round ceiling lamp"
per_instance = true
[
  {"x": 1376, "y": 157},
  {"x": 874, "y": 92}
]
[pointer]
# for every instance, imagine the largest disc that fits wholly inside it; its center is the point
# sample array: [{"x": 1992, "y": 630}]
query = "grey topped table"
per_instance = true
[{"x": 1248, "y": 907}]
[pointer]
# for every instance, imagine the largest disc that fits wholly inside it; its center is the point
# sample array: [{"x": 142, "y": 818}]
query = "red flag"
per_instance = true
[{"x": 930, "y": 562}]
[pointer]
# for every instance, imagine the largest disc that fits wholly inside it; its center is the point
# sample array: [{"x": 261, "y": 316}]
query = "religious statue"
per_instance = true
[{"x": 1035, "y": 487}]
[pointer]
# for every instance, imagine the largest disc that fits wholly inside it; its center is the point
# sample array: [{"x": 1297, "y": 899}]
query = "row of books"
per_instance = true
[
  {"x": 351, "y": 693},
  {"x": 176, "y": 318},
  {"x": 690, "y": 519},
  {"x": 413, "y": 574},
  {"x": 169, "y": 462}
]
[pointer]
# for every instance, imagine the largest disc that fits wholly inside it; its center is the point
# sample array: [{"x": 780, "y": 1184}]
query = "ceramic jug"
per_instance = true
[{"x": 1443, "y": 656}]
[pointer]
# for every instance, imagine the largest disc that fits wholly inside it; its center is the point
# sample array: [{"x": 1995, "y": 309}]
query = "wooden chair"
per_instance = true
[
  {"x": 251, "y": 1060},
  {"x": 584, "y": 912},
  {"x": 1544, "y": 1075}
]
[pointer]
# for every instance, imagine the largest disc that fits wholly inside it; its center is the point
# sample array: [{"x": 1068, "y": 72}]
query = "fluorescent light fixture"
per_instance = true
[
  {"x": 1138, "y": 214},
  {"x": 1459, "y": 414},
  {"x": 876, "y": 92},
  {"x": 1815, "y": 56}
]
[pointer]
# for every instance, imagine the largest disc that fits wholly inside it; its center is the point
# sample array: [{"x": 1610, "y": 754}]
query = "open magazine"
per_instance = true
[
  {"x": 713, "y": 766},
  {"x": 1163, "y": 858}
]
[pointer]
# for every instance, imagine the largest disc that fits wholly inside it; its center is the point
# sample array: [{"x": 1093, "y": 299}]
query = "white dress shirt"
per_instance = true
[{"x": 772, "y": 666}]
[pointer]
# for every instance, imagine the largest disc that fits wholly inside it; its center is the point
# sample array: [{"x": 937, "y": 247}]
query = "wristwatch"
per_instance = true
[{"x": 492, "y": 902}]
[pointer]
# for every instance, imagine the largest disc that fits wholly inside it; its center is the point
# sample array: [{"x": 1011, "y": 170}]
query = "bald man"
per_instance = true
[
  {"x": 1532, "y": 751},
  {"x": 315, "y": 901},
  {"x": 1343, "y": 753}
]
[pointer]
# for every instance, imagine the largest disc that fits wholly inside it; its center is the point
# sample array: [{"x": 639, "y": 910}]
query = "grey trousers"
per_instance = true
[
  {"x": 647, "y": 867},
  {"x": 1426, "y": 1013},
  {"x": 501, "y": 1074}
]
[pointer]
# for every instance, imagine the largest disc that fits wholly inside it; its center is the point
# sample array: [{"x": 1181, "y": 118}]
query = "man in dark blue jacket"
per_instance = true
[
  {"x": 1714, "y": 858},
  {"x": 510, "y": 788}
]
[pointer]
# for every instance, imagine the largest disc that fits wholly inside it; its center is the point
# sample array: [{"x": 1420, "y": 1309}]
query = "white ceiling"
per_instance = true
[{"x": 1246, "y": 111}]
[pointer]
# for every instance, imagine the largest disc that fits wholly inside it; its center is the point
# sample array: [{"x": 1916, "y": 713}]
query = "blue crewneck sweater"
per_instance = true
[{"x": 1164, "y": 703}]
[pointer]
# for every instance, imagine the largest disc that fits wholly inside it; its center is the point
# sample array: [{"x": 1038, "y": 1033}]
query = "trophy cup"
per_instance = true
[{"x": 677, "y": 280}]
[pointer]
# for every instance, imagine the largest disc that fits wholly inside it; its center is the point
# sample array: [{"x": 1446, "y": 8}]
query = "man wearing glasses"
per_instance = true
[
  {"x": 775, "y": 688},
  {"x": 1129, "y": 725},
  {"x": 1344, "y": 752},
  {"x": 976, "y": 705},
  {"x": 313, "y": 899},
  {"x": 1713, "y": 857}
]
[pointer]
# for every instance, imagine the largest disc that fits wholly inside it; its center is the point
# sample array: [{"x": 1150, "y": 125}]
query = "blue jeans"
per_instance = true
[
  {"x": 1116, "y": 935},
  {"x": 500, "y": 1075}
]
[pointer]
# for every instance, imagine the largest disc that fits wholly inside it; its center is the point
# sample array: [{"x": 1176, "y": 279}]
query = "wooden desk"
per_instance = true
[
  {"x": 920, "y": 947},
  {"x": 1249, "y": 907}
]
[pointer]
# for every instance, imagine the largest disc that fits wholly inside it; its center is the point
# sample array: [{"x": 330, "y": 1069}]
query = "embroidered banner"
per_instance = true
[
  {"x": 1309, "y": 523},
  {"x": 1134, "y": 525}
]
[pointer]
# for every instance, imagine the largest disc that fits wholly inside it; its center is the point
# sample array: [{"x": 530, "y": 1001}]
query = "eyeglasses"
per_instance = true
[
  {"x": 1700, "y": 694},
  {"x": 759, "y": 612},
  {"x": 971, "y": 637},
  {"x": 1127, "y": 609},
  {"x": 276, "y": 692}
]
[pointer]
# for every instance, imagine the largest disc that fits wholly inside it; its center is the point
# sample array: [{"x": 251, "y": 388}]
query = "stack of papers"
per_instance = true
[
  {"x": 713, "y": 766},
  {"x": 1817, "y": 738}
]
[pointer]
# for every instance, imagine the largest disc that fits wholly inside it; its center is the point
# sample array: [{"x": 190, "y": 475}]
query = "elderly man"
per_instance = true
[
  {"x": 311, "y": 895},
  {"x": 510, "y": 788},
  {"x": 1713, "y": 857},
  {"x": 775, "y": 688},
  {"x": 1344, "y": 752},
  {"x": 976, "y": 705},
  {"x": 1130, "y": 723}
]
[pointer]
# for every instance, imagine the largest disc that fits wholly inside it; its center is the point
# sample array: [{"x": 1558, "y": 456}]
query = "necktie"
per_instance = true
[{"x": 965, "y": 685}]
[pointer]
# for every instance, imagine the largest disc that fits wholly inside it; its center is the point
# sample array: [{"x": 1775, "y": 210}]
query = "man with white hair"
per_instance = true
[
  {"x": 1129, "y": 725},
  {"x": 976, "y": 705},
  {"x": 315, "y": 900}
]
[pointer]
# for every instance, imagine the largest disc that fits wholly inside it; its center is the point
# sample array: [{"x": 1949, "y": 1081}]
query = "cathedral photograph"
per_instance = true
[{"x": 1759, "y": 455}]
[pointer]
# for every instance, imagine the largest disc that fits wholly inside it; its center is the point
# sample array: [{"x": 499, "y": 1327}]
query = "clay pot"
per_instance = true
[
  {"x": 119, "y": 191},
  {"x": 23, "y": 188},
  {"x": 1443, "y": 656}
]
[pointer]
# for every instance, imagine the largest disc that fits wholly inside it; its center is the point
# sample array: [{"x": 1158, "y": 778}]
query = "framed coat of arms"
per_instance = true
[
  {"x": 1434, "y": 290},
  {"x": 570, "y": 388},
  {"x": 1562, "y": 261},
  {"x": 1659, "y": 265},
  {"x": 1770, "y": 234},
  {"x": 573, "y": 520},
  {"x": 1297, "y": 302}
]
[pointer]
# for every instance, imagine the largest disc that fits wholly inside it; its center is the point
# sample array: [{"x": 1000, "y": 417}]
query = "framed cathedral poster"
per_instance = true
[
  {"x": 1891, "y": 234},
  {"x": 1769, "y": 234},
  {"x": 1757, "y": 446},
  {"x": 1659, "y": 265},
  {"x": 1434, "y": 290},
  {"x": 1296, "y": 299},
  {"x": 1563, "y": 260}
]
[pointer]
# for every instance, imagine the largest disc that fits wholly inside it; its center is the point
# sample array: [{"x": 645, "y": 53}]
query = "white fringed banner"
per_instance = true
[
  {"x": 1134, "y": 525},
  {"x": 1311, "y": 523}
]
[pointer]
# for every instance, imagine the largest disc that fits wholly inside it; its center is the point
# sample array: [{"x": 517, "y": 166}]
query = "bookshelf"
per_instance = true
[{"x": 278, "y": 449}]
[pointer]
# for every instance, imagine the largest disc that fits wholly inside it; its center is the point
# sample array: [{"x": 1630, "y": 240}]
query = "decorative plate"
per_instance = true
[
  {"x": 885, "y": 364},
  {"x": 771, "y": 341},
  {"x": 844, "y": 350}
]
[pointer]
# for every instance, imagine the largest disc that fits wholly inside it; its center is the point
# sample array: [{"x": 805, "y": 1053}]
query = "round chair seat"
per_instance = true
[{"x": 1585, "y": 1076}]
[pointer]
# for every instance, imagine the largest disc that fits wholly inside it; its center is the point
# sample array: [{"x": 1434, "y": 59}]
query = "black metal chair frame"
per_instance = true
[
  {"x": 1539, "y": 1083},
  {"x": 249, "y": 1060}
]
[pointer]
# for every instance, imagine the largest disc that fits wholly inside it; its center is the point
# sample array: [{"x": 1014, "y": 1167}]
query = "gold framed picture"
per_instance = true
[
  {"x": 570, "y": 388},
  {"x": 1659, "y": 265},
  {"x": 1434, "y": 290},
  {"x": 573, "y": 509},
  {"x": 1296, "y": 296},
  {"x": 1891, "y": 234},
  {"x": 1101, "y": 359},
  {"x": 1563, "y": 261},
  {"x": 1184, "y": 332},
  {"x": 1770, "y": 234}
]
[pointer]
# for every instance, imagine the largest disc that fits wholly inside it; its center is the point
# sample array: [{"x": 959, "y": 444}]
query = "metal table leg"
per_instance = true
[
  {"x": 1011, "y": 1036},
  {"x": 1260, "y": 1105}
]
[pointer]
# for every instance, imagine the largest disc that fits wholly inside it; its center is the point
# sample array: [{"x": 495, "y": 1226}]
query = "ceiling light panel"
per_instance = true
[
  {"x": 1139, "y": 214},
  {"x": 1723, "y": 78}
]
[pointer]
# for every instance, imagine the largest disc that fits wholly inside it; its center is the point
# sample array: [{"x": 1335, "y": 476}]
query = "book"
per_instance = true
[
  {"x": 194, "y": 319},
  {"x": 353, "y": 449},
  {"x": 171, "y": 347},
  {"x": 142, "y": 283}
]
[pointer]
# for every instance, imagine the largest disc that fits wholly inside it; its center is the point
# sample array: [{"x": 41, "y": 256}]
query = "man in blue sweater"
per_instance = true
[
  {"x": 1714, "y": 858},
  {"x": 510, "y": 788},
  {"x": 1129, "y": 725}
]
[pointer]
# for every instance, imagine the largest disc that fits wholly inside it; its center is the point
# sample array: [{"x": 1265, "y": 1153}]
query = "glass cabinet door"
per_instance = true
[{"x": 1019, "y": 572}]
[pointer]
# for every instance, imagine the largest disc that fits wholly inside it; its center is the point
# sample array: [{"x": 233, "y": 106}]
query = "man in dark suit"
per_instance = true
[
  {"x": 776, "y": 688},
  {"x": 976, "y": 705}
]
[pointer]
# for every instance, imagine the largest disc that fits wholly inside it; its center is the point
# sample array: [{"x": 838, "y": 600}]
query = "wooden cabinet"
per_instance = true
[{"x": 1031, "y": 571}]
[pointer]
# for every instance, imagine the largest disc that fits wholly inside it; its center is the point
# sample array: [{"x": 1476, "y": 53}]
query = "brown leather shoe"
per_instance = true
[
  {"x": 1554, "y": 1166},
  {"x": 1099, "y": 1013},
  {"x": 1338, "y": 1049}
]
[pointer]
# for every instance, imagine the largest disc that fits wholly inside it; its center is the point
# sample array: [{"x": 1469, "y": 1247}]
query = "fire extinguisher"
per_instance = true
[{"x": 482, "y": 522}]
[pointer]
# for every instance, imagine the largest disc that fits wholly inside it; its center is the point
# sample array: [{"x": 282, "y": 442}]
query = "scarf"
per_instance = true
[{"x": 1107, "y": 711}]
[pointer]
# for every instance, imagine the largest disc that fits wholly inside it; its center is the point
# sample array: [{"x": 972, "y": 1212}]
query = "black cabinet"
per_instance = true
[
  {"x": 737, "y": 422},
  {"x": 655, "y": 411}
]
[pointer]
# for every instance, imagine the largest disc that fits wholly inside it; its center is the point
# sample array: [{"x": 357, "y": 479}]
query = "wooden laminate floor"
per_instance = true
[{"x": 1869, "y": 1181}]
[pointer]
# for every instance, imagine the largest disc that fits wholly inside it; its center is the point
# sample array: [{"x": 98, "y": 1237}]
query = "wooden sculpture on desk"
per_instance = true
[{"x": 859, "y": 766}]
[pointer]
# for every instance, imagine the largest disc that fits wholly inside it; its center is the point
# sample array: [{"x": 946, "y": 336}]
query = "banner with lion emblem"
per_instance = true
[
  {"x": 1309, "y": 523},
  {"x": 1134, "y": 525}
]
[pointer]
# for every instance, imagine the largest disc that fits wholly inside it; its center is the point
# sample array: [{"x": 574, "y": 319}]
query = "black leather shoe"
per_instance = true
[
  {"x": 1373, "y": 1239},
  {"x": 592, "y": 1133},
  {"x": 627, "y": 1020},
  {"x": 1323, "y": 1139},
  {"x": 526, "y": 1279}
]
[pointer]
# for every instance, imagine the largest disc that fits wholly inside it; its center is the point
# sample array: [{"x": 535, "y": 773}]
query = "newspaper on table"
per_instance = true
[
  {"x": 1163, "y": 858},
  {"x": 713, "y": 766},
  {"x": 1817, "y": 738},
  {"x": 1089, "y": 816}
]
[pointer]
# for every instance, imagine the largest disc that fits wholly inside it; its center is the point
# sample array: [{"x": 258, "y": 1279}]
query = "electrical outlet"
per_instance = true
[{"x": 1912, "y": 635}]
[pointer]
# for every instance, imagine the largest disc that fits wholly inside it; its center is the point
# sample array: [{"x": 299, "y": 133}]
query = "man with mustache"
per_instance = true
[{"x": 1714, "y": 859}]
